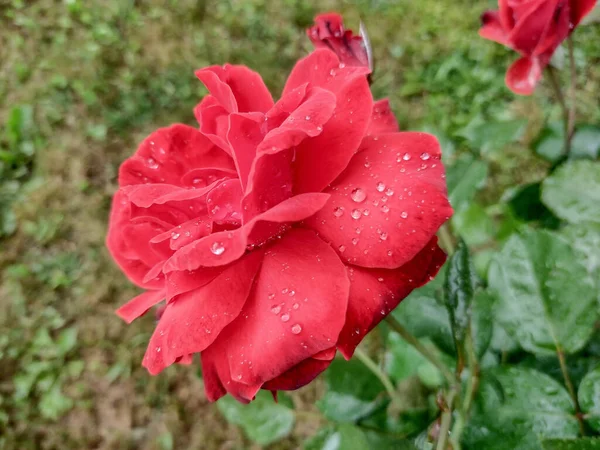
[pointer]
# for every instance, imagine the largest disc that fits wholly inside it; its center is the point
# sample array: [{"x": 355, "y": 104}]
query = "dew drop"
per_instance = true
[
  {"x": 285, "y": 317},
  {"x": 366, "y": 212},
  {"x": 354, "y": 241},
  {"x": 385, "y": 208},
  {"x": 217, "y": 248},
  {"x": 292, "y": 293},
  {"x": 276, "y": 309},
  {"x": 296, "y": 306},
  {"x": 356, "y": 214},
  {"x": 342, "y": 248},
  {"x": 358, "y": 195},
  {"x": 296, "y": 329},
  {"x": 389, "y": 192},
  {"x": 380, "y": 187},
  {"x": 175, "y": 236},
  {"x": 152, "y": 163},
  {"x": 307, "y": 118},
  {"x": 404, "y": 214},
  {"x": 271, "y": 296},
  {"x": 338, "y": 211},
  {"x": 157, "y": 349},
  {"x": 425, "y": 156},
  {"x": 406, "y": 157},
  {"x": 284, "y": 290},
  {"x": 383, "y": 236}
]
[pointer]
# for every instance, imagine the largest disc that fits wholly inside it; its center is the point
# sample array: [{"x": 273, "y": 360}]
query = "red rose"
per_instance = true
[
  {"x": 328, "y": 32},
  {"x": 534, "y": 28},
  {"x": 277, "y": 233}
]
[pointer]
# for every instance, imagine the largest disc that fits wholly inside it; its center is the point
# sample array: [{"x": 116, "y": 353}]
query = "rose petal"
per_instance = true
[
  {"x": 192, "y": 321},
  {"x": 139, "y": 305},
  {"x": 270, "y": 179},
  {"x": 341, "y": 136},
  {"x": 374, "y": 293},
  {"x": 388, "y": 204},
  {"x": 523, "y": 75},
  {"x": 302, "y": 373},
  {"x": 580, "y": 9},
  {"x": 244, "y": 136},
  {"x": 296, "y": 310},
  {"x": 225, "y": 202},
  {"x": 531, "y": 28},
  {"x": 168, "y": 153},
  {"x": 183, "y": 281},
  {"x": 382, "y": 118},
  {"x": 492, "y": 28},
  {"x": 223, "y": 247}
]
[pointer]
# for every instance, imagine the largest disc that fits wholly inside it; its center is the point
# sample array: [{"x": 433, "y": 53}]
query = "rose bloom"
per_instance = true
[
  {"x": 276, "y": 233},
  {"x": 328, "y": 32},
  {"x": 535, "y": 29}
]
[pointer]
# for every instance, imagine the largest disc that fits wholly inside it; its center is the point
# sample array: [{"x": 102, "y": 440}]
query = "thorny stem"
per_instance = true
[
  {"x": 373, "y": 367},
  {"x": 563, "y": 104},
  {"x": 570, "y": 387},
  {"x": 405, "y": 334}
]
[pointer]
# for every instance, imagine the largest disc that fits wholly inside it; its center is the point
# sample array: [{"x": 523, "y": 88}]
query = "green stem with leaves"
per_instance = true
[{"x": 375, "y": 369}]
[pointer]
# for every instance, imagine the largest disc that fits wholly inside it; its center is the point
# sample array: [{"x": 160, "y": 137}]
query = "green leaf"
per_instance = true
[
  {"x": 589, "y": 397},
  {"x": 352, "y": 391},
  {"x": 550, "y": 144},
  {"x": 465, "y": 177},
  {"x": 516, "y": 407},
  {"x": 66, "y": 341},
  {"x": 263, "y": 420},
  {"x": 526, "y": 204},
  {"x": 585, "y": 239},
  {"x": 54, "y": 404},
  {"x": 490, "y": 137},
  {"x": 572, "y": 192},
  {"x": 473, "y": 224},
  {"x": 586, "y": 143},
  {"x": 459, "y": 289},
  {"x": 571, "y": 444},
  {"x": 544, "y": 295},
  {"x": 482, "y": 324}
]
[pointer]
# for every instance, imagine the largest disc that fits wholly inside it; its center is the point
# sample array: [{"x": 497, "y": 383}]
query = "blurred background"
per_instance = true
[{"x": 82, "y": 82}]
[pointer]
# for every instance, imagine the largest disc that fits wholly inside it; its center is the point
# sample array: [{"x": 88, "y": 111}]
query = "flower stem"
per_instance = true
[
  {"x": 572, "y": 93},
  {"x": 563, "y": 104},
  {"x": 373, "y": 367},
  {"x": 446, "y": 420},
  {"x": 570, "y": 387},
  {"x": 405, "y": 334}
]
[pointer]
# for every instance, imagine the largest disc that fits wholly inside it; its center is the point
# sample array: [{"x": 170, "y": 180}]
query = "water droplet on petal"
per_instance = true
[
  {"x": 271, "y": 296},
  {"x": 152, "y": 163},
  {"x": 296, "y": 306},
  {"x": 404, "y": 214},
  {"x": 285, "y": 317},
  {"x": 217, "y": 248},
  {"x": 175, "y": 236},
  {"x": 358, "y": 195},
  {"x": 284, "y": 290},
  {"x": 406, "y": 157},
  {"x": 354, "y": 241},
  {"x": 389, "y": 192},
  {"x": 385, "y": 208},
  {"x": 276, "y": 309},
  {"x": 338, "y": 211},
  {"x": 342, "y": 248},
  {"x": 296, "y": 329},
  {"x": 383, "y": 236},
  {"x": 157, "y": 349},
  {"x": 356, "y": 214},
  {"x": 292, "y": 293},
  {"x": 307, "y": 118},
  {"x": 380, "y": 187},
  {"x": 425, "y": 156},
  {"x": 366, "y": 212}
]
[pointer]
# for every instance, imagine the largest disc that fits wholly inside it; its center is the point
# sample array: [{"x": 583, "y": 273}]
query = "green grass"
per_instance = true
[{"x": 81, "y": 83}]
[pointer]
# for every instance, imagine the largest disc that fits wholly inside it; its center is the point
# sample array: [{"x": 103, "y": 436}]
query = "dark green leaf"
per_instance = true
[
  {"x": 515, "y": 408},
  {"x": 571, "y": 444},
  {"x": 586, "y": 143},
  {"x": 550, "y": 144},
  {"x": 572, "y": 192},
  {"x": 263, "y": 420},
  {"x": 459, "y": 289},
  {"x": 589, "y": 397},
  {"x": 465, "y": 177},
  {"x": 526, "y": 203},
  {"x": 353, "y": 391},
  {"x": 482, "y": 321},
  {"x": 537, "y": 299}
]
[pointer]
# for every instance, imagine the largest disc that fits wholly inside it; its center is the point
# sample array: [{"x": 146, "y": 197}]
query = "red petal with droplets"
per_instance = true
[
  {"x": 388, "y": 204},
  {"x": 374, "y": 293}
]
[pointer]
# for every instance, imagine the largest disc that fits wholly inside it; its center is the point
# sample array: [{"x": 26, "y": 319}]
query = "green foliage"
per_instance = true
[
  {"x": 263, "y": 420},
  {"x": 571, "y": 444},
  {"x": 518, "y": 407},
  {"x": 589, "y": 397},
  {"x": 573, "y": 192},
  {"x": 537, "y": 301}
]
